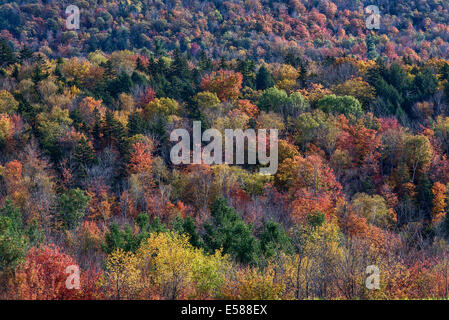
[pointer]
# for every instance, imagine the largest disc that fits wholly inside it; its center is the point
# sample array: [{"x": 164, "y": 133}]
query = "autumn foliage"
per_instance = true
[{"x": 87, "y": 180}]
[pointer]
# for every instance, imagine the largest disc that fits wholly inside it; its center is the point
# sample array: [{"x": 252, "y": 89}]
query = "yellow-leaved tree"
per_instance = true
[
  {"x": 439, "y": 202},
  {"x": 178, "y": 270},
  {"x": 7, "y": 102},
  {"x": 253, "y": 284},
  {"x": 122, "y": 278},
  {"x": 314, "y": 272}
]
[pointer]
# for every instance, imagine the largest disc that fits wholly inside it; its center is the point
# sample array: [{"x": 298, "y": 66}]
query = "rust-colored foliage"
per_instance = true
[
  {"x": 226, "y": 84},
  {"x": 43, "y": 275},
  {"x": 141, "y": 159},
  {"x": 439, "y": 202}
]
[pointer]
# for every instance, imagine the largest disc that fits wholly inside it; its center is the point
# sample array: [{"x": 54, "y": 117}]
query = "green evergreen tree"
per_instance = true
[
  {"x": 187, "y": 226},
  {"x": 136, "y": 124},
  {"x": 274, "y": 239},
  {"x": 264, "y": 79},
  {"x": 205, "y": 64},
  {"x": 7, "y": 55},
  {"x": 72, "y": 206},
  {"x": 13, "y": 243},
  {"x": 227, "y": 230},
  {"x": 25, "y": 54},
  {"x": 371, "y": 47},
  {"x": 83, "y": 156},
  {"x": 247, "y": 68}
]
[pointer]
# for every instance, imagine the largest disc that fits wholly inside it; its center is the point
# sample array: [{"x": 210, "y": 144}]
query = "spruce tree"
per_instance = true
[
  {"x": 83, "y": 156},
  {"x": 7, "y": 56},
  {"x": 264, "y": 79},
  {"x": 136, "y": 124},
  {"x": 228, "y": 231},
  {"x": 13, "y": 243}
]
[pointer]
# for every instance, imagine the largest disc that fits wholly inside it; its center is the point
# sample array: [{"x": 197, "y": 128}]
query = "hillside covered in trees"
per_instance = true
[{"x": 86, "y": 179}]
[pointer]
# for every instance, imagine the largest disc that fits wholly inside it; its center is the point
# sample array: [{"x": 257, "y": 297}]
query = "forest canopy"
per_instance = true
[{"x": 86, "y": 178}]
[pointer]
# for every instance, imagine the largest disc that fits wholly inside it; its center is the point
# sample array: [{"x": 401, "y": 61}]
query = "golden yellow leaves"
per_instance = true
[
  {"x": 439, "y": 202},
  {"x": 7, "y": 102},
  {"x": 165, "y": 266},
  {"x": 178, "y": 269},
  {"x": 122, "y": 276}
]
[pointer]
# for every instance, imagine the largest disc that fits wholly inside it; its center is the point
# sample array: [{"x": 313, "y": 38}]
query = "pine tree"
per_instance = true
[
  {"x": 247, "y": 68},
  {"x": 110, "y": 128},
  {"x": 25, "y": 54},
  {"x": 371, "y": 47},
  {"x": 13, "y": 243},
  {"x": 7, "y": 56},
  {"x": 122, "y": 83},
  {"x": 205, "y": 64},
  {"x": 114, "y": 133},
  {"x": 72, "y": 207},
  {"x": 179, "y": 68},
  {"x": 83, "y": 157},
  {"x": 264, "y": 79},
  {"x": 38, "y": 74},
  {"x": 228, "y": 231},
  {"x": 136, "y": 124},
  {"x": 274, "y": 239}
]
